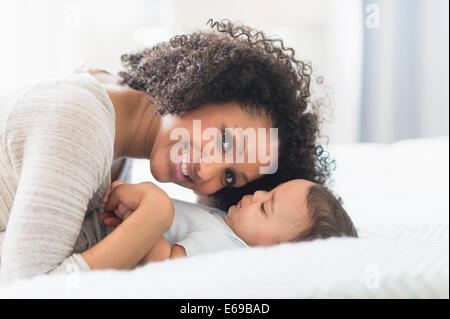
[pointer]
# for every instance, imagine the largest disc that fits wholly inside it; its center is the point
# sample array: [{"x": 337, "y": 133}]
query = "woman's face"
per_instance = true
[{"x": 189, "y": 160}]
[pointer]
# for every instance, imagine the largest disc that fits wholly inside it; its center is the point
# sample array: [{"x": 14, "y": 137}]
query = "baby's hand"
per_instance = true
[
  {"x": 119, "y": 214},
  {"x": 108, "y": 191},
  {"x": 121, "y": 200}
]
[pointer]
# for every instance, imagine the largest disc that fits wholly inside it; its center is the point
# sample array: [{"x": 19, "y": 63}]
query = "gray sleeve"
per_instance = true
[
  {"x": 59, "y": 141},
  {"x": 92, "y": 232}
]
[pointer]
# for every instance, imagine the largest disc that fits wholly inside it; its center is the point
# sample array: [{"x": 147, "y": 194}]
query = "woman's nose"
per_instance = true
[
  {"x": 207, "y": 171},
  {"x": 208, "y": 177}
]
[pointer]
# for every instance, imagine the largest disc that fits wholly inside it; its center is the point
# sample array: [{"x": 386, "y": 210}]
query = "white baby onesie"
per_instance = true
[{"x": 201, "y": 229}]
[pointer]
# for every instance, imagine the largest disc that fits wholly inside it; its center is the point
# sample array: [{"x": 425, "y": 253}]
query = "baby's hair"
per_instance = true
[{"x": 327, "y": 216}]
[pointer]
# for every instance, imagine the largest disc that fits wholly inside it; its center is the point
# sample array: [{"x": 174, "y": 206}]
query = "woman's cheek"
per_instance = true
[{"x": 160, "y": 168}]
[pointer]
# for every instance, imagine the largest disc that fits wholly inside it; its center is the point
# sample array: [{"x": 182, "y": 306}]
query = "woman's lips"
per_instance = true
[
  {"x": 178, "y": 174},
  {"x": 182, "y": 157}
]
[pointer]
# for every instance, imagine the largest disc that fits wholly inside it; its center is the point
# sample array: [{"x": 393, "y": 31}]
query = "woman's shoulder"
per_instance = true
[
  {"x": 78, "y": 92},
  {"x": 68, "y": 111},
  {"x": 74, "y": 98}
]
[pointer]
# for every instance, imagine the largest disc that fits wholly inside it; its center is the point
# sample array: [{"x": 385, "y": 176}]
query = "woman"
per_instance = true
[{"x": 64, "y": 141}]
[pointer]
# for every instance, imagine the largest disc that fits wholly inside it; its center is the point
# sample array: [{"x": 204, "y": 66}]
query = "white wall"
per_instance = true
[
  {"x": 406, "y": 71},
  {"x": 47, "y": 38},
  {"x": 434, "y": 79}
]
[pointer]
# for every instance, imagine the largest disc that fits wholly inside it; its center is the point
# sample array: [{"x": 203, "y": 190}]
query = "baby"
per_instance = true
[{"x": 297, "y": 210}]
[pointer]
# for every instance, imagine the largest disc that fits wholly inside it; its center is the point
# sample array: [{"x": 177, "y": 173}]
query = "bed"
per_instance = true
[{"x": 397, "y": 195}]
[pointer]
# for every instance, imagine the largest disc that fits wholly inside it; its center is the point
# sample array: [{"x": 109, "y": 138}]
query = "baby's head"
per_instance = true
[{"x": 298, "y": 210}]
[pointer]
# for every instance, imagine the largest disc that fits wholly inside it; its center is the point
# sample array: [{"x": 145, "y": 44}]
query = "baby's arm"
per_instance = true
[
  {"x": 121, "y": 211},
  {"x": 162, "y": 251},
  {"x": 152, "y": 214}
]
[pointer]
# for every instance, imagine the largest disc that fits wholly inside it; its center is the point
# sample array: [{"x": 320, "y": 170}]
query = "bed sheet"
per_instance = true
[{"x": 397, "y": 195}]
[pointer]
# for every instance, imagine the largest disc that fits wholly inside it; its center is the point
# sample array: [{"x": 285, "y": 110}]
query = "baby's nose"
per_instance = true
[{"x": 257, "y": 195}]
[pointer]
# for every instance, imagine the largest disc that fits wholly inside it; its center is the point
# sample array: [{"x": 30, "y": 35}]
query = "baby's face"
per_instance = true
[{"x": 268, "y": 218}]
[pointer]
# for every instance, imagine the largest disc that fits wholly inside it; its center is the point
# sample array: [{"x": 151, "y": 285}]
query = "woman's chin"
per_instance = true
[
  {"x": 159, "y": 176},
  {"x": 183, "y": 183}
]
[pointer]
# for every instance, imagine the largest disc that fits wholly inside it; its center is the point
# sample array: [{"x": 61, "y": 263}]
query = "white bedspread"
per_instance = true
[{"x": 397, "y": 196}]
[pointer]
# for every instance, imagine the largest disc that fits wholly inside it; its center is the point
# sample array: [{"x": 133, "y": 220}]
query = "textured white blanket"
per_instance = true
[{"x": 396, "y": 194}]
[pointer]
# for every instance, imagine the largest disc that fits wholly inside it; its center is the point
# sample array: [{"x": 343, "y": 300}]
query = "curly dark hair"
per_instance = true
[{"x": 237, "y": 63}]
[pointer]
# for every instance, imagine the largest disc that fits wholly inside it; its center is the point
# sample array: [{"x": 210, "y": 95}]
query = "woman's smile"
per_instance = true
[
  {"x": 184, "y": 163},
  {"x": 182, "y": 166}
]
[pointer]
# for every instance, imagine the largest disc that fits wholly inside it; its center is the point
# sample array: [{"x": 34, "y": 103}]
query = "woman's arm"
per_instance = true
[
  {"x": 152, "y": 215},
  {"x": 59, "y": 141}
]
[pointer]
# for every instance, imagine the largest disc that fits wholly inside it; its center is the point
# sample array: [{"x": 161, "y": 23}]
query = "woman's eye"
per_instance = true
[{"x": 229, "y": 178}]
